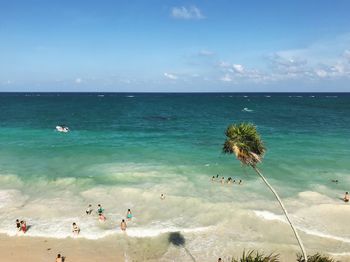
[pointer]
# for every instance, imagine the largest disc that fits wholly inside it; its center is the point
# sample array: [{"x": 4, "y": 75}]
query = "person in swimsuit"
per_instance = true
[
  {"x": 222, "y": 180},
  {"x": 75, "y": 229},
  {"x": 89, "y": 210},
  {"x": 18, "y": 225},
  {"x": 213, "y": 179},
  {"x": 240, "y": 182},
  {"x": 219, "y": 260},
  {"x": 162, "y": 196},
  {"x": 229, "y": 180},
  {"x": 59, "y": 258},
  {"x": 101, "y": 218},
  {"x": 129, "y": 215},
  {"x": 23, "y": 226},
  {"x": 123, "y": 225},
  {"x": 346, "y": 197},
  {"x": 99, "y": 209}
]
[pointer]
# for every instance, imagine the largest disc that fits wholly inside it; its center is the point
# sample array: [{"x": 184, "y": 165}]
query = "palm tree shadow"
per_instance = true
[{"x": 178, "y": 240}]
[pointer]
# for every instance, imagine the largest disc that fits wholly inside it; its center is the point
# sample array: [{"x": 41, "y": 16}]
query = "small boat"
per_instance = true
[{"x": 63, "y": 129}]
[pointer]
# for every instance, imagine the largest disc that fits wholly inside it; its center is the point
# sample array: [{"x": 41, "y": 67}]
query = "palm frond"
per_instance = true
[{"x": 244, "y": 141}]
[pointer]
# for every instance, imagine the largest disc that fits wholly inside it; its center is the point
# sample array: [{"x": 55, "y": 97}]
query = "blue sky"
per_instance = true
[{"x": 160, "y": 45}]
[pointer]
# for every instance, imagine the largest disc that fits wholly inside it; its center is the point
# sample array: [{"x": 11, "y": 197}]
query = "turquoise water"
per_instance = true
[{"x": 139, "y": 145}]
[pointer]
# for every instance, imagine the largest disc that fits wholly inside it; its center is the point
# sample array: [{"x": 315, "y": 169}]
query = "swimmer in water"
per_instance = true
[
  {"x": 89, "y": 210},
  {"x": 123, "y": 225},
  {"x": 18, "y": 225},
  {"x": 101, "y": 218},
  {"x": 100, "y": 209},
  {"x": 75, "y": 229},
  {"x": 129, "y": 215},
  {"x": 23, "y": 226}
]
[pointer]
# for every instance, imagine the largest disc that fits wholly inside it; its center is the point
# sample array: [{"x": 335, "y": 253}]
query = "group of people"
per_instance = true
[
  {"x": 101, "y": 217},
  {"x": 227, "y": 181},
  {"x": 21, "y": 226}
]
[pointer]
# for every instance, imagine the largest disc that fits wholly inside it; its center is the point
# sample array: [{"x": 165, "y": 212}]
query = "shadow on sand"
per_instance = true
[{"x": 178, "y": 240}]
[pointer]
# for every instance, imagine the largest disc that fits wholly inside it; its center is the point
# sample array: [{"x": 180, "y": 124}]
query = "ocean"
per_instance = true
[{"x": 124, "y": 150}]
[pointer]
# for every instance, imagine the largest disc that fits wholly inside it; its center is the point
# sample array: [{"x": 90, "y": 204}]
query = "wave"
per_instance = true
[
  {"x": 247, "y": 110},
  {"x": 130, "y": 96},
  {"x": 271, "y": 216}
]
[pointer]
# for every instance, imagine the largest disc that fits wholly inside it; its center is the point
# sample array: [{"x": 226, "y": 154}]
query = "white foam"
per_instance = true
[{"x": 271, "y": 216}]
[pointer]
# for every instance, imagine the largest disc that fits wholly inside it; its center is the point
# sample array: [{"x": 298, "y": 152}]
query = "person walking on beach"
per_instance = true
[
  {"x": 129, "y": 215},
  {"x": 123, "y": 225},
  {"x": 346, "y": 197},
  {"x": 59, "y": 258},
  {"x": 18, "y": 225},
  {"x": 75, "y": 229},
  {"x": 100, "y": 209},
  {"x": 89, "y": 210},
  {"x": 23, "y": 226}
]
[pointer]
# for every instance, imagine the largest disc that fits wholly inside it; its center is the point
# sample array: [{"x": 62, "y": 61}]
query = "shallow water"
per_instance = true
[{"x": 124, "y": 150}]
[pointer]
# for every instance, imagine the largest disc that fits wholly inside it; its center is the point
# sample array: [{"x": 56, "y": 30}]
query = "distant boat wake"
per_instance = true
[{"x": 246, "y": 109}]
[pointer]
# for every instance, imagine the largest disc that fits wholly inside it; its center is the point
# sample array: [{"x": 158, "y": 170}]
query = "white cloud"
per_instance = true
[
  {"x": 170, "y": 76},
  {"x": 238, "y": 68},
  {"x": 226, "y": 78},
  {"x": 187, "y": 13},
  {"x": 205, "y": 53},
  {"x": 78, "y": 80}
]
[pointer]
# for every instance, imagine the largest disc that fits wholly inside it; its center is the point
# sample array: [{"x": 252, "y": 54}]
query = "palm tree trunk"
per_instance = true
[{"x": 285, "y": 212}]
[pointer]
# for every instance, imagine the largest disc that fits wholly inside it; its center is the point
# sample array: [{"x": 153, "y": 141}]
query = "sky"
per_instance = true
[{"x": 175, "y": 46}]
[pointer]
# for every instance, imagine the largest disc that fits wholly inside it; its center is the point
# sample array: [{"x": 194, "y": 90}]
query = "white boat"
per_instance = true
[{"x": 63, "y": 129}]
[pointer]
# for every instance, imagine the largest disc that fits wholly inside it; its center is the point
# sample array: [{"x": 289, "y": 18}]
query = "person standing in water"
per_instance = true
[
  {"x": 162, "y": 196},
  {"x": 99, "y": 209},
  {"x": 129, "y": 215},
  {"x": 75, "y": 229},
  {"x": 23, "y": 226},
  {"x": 222, "y": 180},
  {"x": 101, "y": 218},
  {"x": 123, "y": 225},
  {"x": 346, "y": 197},
  {"x": 213, "y": 179},
  {"x": 89, "y": 210},
  {"x": 18, "y": 225}
]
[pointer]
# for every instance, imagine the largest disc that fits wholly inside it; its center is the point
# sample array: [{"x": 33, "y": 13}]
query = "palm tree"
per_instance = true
[{"x": 244, "y": 141}]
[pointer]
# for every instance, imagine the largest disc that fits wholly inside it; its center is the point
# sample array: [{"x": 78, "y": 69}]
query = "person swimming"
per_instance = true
[
  {"x": 18, "y": 225},
  {"x": 123, "y": 225},
  {"x": 100, "y": 209},
  {"x": 162, "y": 196},
  {"x": 129, "y": 214},
  {"x": 89, "y": 210},
  {"x": 346, "y": 197},
  {"x": 335, "y": 180},
  {"x": 75, "y": 229}
]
